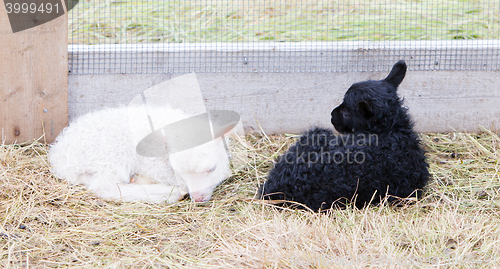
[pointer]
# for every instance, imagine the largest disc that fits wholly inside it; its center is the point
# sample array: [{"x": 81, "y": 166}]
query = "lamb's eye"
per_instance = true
[
  {"x": 212, "y": 169},
  {"x": 346, "y": 115}
]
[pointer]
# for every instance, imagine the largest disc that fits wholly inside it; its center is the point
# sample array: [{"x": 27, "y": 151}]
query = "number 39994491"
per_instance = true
[{"x": 32, "y": 8}]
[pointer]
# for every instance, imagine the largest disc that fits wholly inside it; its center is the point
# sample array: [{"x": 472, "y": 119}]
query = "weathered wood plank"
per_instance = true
[
  {"x": 33, "y": 80},
  {"x": 439, "y": 101}
]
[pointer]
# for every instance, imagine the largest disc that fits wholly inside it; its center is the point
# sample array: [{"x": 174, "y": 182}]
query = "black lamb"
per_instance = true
[{"x": 377, "y": 154}]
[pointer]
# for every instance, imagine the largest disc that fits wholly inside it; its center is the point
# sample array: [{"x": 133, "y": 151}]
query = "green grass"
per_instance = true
[{"x": 128, "y": 21}]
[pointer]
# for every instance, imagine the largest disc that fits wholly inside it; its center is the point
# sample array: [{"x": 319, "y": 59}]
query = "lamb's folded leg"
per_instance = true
[
  {"x": 155, "y": 193},
  {"x": 117, "y": 189}
]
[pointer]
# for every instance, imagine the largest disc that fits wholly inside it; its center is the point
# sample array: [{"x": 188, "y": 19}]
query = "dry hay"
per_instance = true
[{"x": 47, "y": 223}]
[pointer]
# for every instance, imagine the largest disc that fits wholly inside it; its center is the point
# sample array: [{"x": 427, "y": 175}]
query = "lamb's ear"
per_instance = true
[
  {"x": 397, "y": 74},
  {"x": 365, "y": 110}
]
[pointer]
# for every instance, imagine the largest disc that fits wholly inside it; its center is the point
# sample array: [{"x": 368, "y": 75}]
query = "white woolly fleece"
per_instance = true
[{"x": 99, "y": 151}]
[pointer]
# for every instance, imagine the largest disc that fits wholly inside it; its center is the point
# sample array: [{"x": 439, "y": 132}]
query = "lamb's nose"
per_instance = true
[{"x": 200, "y": 199}]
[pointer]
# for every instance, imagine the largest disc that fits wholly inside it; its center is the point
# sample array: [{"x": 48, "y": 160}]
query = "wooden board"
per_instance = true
[
  {"x": 33, "y": 80},
  {"x": 438, "y": 101}
]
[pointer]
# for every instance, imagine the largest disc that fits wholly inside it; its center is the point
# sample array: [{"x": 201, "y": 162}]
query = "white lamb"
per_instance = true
[{"x": 99, "y": 151}]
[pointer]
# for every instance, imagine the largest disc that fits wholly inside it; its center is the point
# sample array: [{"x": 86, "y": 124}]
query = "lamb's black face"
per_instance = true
[
  {"x": 367, "y": 102},
  {"x": 342, "y": 119},
  {"x": 361, "y": 104}
]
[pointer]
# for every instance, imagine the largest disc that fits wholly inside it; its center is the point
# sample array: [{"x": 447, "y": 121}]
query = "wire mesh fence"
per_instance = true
[{"x": 126, "y": 36}]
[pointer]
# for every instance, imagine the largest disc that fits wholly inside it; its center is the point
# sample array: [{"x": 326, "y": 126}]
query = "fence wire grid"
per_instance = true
[{"x": 205, "y": 36}]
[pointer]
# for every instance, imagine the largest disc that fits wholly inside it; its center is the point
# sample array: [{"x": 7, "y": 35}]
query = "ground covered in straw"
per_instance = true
[{"x": 46, "y": 223}]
